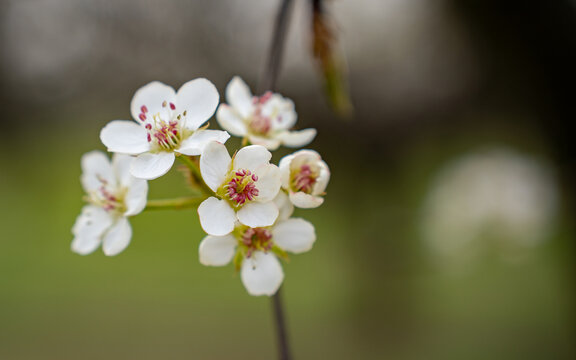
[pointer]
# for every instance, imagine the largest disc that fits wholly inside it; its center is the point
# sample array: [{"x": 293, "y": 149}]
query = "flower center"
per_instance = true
[
  {"x": 256, "y": 239},
  {"x": 259, "y": 123},
  {"x": 241, "y": 187},
  {"x": 109, "y": 200},
  {"x": 304, "y": 179},
  {"x": 164, "y": 128}
]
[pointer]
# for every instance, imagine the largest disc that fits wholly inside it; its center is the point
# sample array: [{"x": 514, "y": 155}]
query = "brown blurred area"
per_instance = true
[{"x": 430, "y": 82}]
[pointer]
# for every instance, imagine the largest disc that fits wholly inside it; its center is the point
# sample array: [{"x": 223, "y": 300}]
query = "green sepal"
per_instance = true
[
  {"x": 280, "y": 253},
  {"x": 238, "y": 259}
]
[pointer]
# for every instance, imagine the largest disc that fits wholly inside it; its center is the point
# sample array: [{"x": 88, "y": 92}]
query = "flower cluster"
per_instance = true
[{"x": 247, "y": 202}]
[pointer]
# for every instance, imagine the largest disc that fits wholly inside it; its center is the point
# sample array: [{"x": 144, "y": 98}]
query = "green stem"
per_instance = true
[
  {"x": 178, "y": 203},
  {"x": 196, "y": 174}
]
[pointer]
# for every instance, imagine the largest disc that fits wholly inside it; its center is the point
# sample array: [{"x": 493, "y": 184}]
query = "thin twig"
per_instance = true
[
  {"x": 268, "y": 83},
  {"x": 179, "y": 203},
  {"x": 276, "y": 47},
  {"x": 283, "y": 350},
  {"x": 196, "y": 174}
]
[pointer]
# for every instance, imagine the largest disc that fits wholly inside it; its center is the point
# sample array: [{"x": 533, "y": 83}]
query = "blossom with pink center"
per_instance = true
[
  {"x": 255, "y": 251},
  {"x": 263, "y": 120},
  {"x": 244, "y": 188},
  {"x": 305, "y": 177},
  {"x": 168, "y": 123},
  {"x": 113, "y": 195}
]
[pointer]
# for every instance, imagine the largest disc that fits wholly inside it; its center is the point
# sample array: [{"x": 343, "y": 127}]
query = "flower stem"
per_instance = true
[
  {"x": 282, "y": 337},
  {"x": 196, "y": 174},
  {"x": 179, "y": 203},
  {"x": 268, "y": 82}
]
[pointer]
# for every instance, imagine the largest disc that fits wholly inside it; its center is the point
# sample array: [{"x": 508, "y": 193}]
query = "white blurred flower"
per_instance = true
[
  {"x": 113, "y": 196},
  {"x": 304, "y": 176},
  {"x": 492, "y": 198},
  {"x": 255, "y": 250},
  {"x": 245, "y": 187},
  {"x": 168, "y": 123},
  {"x": 263, "y": 120}
]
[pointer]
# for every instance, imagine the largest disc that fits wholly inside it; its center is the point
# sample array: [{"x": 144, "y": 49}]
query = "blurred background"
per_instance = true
[{"x": 448, "y": 229}]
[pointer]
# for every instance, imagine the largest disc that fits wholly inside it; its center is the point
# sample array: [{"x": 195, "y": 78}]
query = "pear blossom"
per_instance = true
[
  {"x": 244, "y": 187},
  {"x": 304, "y": 176},
  {"x": 113, "y": 195},
  {"x": 263, "y": 120},
  {"x": 255, "y": 251},
  {"x": 168, "y": 123},
  {"x": 510, "y": 201}
]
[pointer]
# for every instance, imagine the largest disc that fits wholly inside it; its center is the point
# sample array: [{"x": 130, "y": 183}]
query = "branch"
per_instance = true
[{"x": 276, "y": 48}]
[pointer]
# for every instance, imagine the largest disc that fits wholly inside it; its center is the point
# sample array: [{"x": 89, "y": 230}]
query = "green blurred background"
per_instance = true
[{"x": 447, "y": 231}]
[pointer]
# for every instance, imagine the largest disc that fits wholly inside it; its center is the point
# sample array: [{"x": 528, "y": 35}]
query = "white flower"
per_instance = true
[
  {"x": 168, "y": 122},
  {"x": 490, "y": 201},
  {"x": 255, "y": 250},
  {"x": 263, "y": 120},
  {"x": 114, "y": 195},
  {"x": 305, "y": 177},
  {"x": 245, "y": 186}
]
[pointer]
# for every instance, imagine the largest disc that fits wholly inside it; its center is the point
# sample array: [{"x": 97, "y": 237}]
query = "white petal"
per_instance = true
[
  {"x": 117, "y": 238},
  {"x": 93, "y": 221},
  {"x": 257, "y": 214},
  {"x": 239, "y": 96},
  {"x": 322, "y": 180},
  {"x": 276, "y": 103},
  {"x": 84, "y": 245},
  {"x": 307, "y": 155},
  {"x": 285, "y": 206},
  {"x": 216, "y": 217},
  {"x": 152, "y": 96},
  {"x": 135, "y": 199},
  {"x": 121, "y": 164},
  {"x": 294, "y": 235},
  {"x": 287, "y": 116},
  {"x": 214, "y": 164},
  {"x": 305, "y": 201},
  {"x": 230, "y": 121},
  {"x": 151, "y": 166},
  {"x": 297, "y": 138},
  {"x": 251, "y": 157},
  {"x": 125, "y": 137},
  {"x": 217, "y": 250},
  {"x": 262, "y": 274},
  {"x": 268, "y": 183},
  {"x": 88, "y": 229},
  {"x": 96, "y": 167},
  {"x": 281, "y": 111},
  {"x": 284, "y": 166},
  {"x": 195, "y": 144},
  {"x": 269, "y": 143},
  {"x": 199, "y": 98}
]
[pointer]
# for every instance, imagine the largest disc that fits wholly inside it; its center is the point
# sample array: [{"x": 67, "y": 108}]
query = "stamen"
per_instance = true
[
  {"x": 257, "y": 239},
  {"x": 242, "y": 187},
  {"x": 264, "y": 98},
  {"x": 305, "y": 179}
]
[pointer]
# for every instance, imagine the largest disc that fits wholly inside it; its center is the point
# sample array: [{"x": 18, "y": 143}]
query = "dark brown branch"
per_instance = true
[
  {"x": 282, "y": 336},
  {"x": 276, "y": 47}
]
